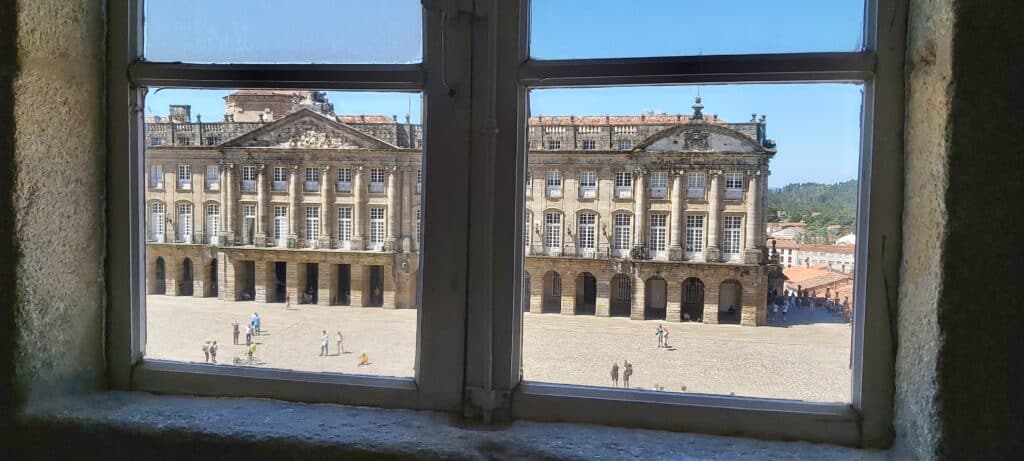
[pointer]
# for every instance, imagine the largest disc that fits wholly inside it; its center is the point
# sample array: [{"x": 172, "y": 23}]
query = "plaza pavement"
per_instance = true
[{"x": 806, "y": 358}]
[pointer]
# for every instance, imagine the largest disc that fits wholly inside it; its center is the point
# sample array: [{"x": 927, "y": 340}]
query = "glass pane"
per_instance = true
[
  {"x": 563, "y": 29},
  {"x": 733, "y": 278},
  {"x": 297, "y": 31},
  {"x": 263, "y": 231}
]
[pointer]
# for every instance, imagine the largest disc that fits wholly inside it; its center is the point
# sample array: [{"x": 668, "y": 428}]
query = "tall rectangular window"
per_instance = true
[
  {"x": 659, "y": 184},
  {"x": 419, "y": 227},
  {"x": 419, "y": 181},
  {"x": 554, "y": 183},
  {"x": 312, "y": 226},
  {"x": 344, "y": 180},
  {"x": 157, "y": 220},
  {"x": 377, "y": 180},
  {"x": 212, "y": 223},
  {"x": 554, "y": 144},
  {"x": 280, "y": 182},
  {"x": 623, "y": 184},
  {"x": 625, "y": 144},
  {"x": 312, "y": 183},
  {"x": 376, "y": 228},
  {"x": 553, "y": 232},
  {"x": 281, "y": 225},
  {"x": 623, "y": 235},
  {"x": 588, "y": 184},
  {"x": 695, "y": 185},
  {"x": 588, "y": 144},
  {"x": 185, "y": 222},
  {"x": 248, "y": 224},
  {"x": 184, "y": 177},
  {"x": 213, "y": 177},
  {"x": 249, "y": 178},
  {"x": 733, "y": 186},
  {"x": 587, "y": 232},
  {"x": 656, "y": 237},
  {"x": 694, "y": 234},
  {"x": 344, "y": 227},
  {"x": 156, "y": 176},
  {"x": 731, "y": 243}
]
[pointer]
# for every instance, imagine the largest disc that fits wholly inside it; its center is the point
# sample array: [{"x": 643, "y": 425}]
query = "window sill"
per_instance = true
[{"x": 136, "y": 425}]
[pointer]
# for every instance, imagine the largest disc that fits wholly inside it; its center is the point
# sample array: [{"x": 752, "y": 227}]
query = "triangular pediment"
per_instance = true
[
  {"x": 306, "y": 129},
  {"x": 700, "y": 137}
]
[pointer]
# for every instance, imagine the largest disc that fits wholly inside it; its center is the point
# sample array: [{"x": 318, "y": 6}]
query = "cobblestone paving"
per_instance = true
[{"x": 805, "y": 358}]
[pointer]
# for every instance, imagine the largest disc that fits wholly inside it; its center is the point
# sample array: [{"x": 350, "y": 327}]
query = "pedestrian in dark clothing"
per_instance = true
[
  {"x": 627, "y": 371},
  {"x": 615, "y": 374},
  {"x": 234, "y": 332}
]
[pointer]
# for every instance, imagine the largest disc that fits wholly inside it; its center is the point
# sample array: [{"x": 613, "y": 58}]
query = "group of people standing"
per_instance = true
[
  {"x": 627, "y": 371},
  {"x": 325, "y": 350},
  {"x": 662, "y": 334}
]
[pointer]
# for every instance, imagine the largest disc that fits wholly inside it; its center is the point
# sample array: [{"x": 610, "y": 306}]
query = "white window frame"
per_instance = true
[
  {"x": 377, "y": 178},
  {"x": 212, "y": 176},
  {"x": 212, "y": 228},
  {"x": 279, "y": 182},
  {"x": 622, "y": 234},
  {"x": 184, "y": 177},
  {"x": 248, "y": 178},
  {"x": 588, "y": 144},
  {"x": 732, "y": 234},
  {"x": 312, "y": 226},
  {"x": 733, "y": 186},
  {"x": 554, "y": 144},
  {"x": 185, "y": 222},
  {"x": 312, "y": 179},
  {"x": 443, "y": 379},
  {"x": 657, "y": 235},
  {"x": 588, "y": 185},
  {"x": 344, "y": 180},
  {"x": 378, "y": 228},
  {"x": 156, "y": 176},
  {"x": 280, "y": 225},
  {"x": 696, "y": 184},
  {"x": 623, "y": 184},
  {"x": 586, "y": 230},
  {"x": 157, "y": 222},
  {"x": 248, "y": 219},
  {"x": 345, "y": 227},
  {"x": 553, "y": 183},
  {"x": 694, "y": 240},
  {"x": 659, "y": 184},
  {"x": 553, "y": 233},
  {"x": 624, "y": 144}
]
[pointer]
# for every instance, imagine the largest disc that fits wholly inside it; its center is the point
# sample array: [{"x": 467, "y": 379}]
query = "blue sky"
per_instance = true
[{"x": 817, "y": 127}]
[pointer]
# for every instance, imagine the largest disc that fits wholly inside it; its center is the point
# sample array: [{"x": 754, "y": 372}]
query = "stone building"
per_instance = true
[{"x": 652, "y": 217}]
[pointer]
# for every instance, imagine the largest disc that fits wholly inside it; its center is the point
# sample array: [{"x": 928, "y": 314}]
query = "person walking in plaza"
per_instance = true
[
  {"x": 341, "y": 350},
  {"x": 259, "y": 324},
  {"x": 615, "y": 374},
  {"x": 248, "y": 335},
  {"x": 785, "y": 311},
  {"x": 251, "y": 352},
  {"x": 627, "y": 371},
  {"x": 234, "y": 332},
  {"x": 323, "y": 343},
  {"x": 213, "y": 352},
  {"x": 252, "y": 322},
  {"x": 206, "y": 352},
  {"x": 659, "y": 332},
  {"x": 287, "y": 301},
  {"x": 664, "y": 338}
]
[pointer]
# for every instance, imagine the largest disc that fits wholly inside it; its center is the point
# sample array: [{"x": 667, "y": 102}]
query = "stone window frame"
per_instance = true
[{"x": 443, "y": 382}]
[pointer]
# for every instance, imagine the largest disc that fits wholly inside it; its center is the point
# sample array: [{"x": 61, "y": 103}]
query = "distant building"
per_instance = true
[
  {"x": 793, "y": 254},
  {"x": 820, "y": 280}
]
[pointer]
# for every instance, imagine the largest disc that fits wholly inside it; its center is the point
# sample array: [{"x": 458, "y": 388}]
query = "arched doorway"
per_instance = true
[
  {"x": 586, "y": 294},
  {"x": 620, "y": 296},
  {"x": 693, "y": 299},
  {"x": 730, "y": 301},
  {"x": 213, "y": 277},
  {"x": 185, "y": 285},
  {"x": 160, "y": 277},
  {"x": 526, "y": 292},
  {"x": 552, "y": 302},
  {"x": 655, "y": 298}
]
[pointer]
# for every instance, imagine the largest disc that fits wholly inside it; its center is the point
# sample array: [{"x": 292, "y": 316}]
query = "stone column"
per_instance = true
[
  {"x": 358, "y": 208},
  {"x": 602, "y": 307},
  {"x": 713, "y": 253},
  {"x": 326, "y": 205},
  {"x": 293, "y": 211},
  {"x": 227, "y": 187},
  {"x": 408, "y": 217},
  {"x": 638, "y": 300},
  {"x": 537, "y": 292},
  {"x": 356, "y": 288},
  {"x": 568, "y": 293},
  {"x": 295, "y": 279},
  {"x": 264, "y": 278},
  {"x": 388, "y": 298},
  {"x": 675, "y": 250},
  {"x": 752, "y": 248},
  {"x": 226, "y": 285},
  {"x": 200, "y": 278},
  {"x": 327, "y": 282},
  {"x": 711, "y": 288},
  {"x": 673, "y": 305},
  {"x": 261, "y": 205},
  {"x": 640, "y": 208},
  {"x": 392, "y": 225}
]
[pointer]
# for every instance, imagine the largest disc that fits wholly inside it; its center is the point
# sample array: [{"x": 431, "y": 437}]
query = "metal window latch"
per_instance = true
[{"x": 492, "y": 406}]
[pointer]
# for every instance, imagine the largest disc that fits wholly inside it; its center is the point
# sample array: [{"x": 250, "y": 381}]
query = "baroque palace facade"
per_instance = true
[{"x": 652, "y": 216}]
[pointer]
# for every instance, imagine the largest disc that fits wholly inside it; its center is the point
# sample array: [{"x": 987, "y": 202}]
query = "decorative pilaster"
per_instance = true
[
  {"x": 261, "y": 205},
  {"x": 358, "y": 210},
  {"x": 408, "y": 218},
  {"x": 675, "y": 250},
  {"x": 713, "y": 253},
  {"x": 227, "y": 187},
  {"x": 752, "y": 249},
  {"x": 293, "y": 207},
  {"x": 391, "y": 227},
  {"x": 326, "y": 207},
  {"x": 639, "y": 210}
]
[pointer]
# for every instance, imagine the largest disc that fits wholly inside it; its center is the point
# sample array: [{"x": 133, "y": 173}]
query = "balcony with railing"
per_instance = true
[
  {"x": 343, "y": 186},
  {"x": 311, "y": 186},
  {"x": 248, "y": 185},
  {"x": 695, "y": 193},
  {"x": 376, "y": 188},
  {"x": 278, "y": 186},
  {"x": 184, "y": 184},
  {"x": 734, "y": 194},
  {"x": 213, "y": 185},
  {"x": 554, "y": 191},
  {"x": 588, "y": 192},
  {"x": 623, "y": 191},
  {"x": 156, "y": 184},
  {"x": 659, "y": 192}
]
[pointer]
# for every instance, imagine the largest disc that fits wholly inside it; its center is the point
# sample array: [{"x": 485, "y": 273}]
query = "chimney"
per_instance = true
[{"x": 180, "y": 113}]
